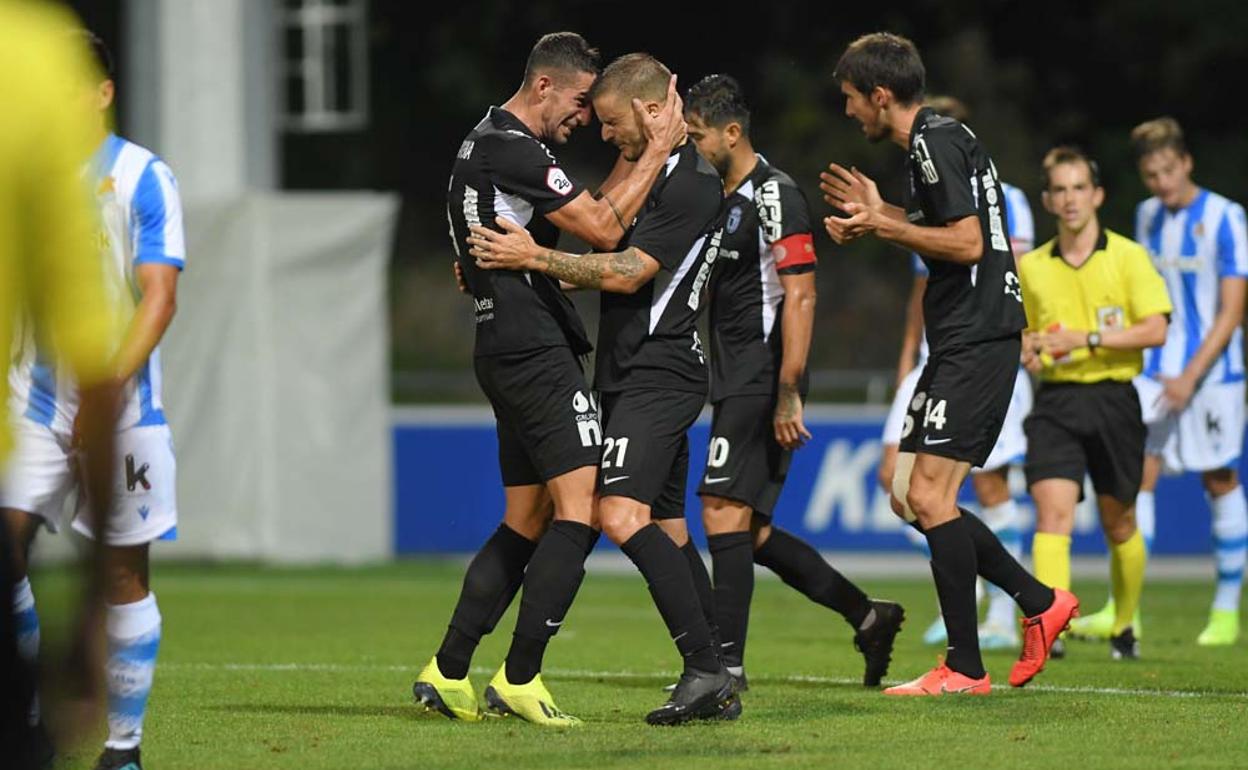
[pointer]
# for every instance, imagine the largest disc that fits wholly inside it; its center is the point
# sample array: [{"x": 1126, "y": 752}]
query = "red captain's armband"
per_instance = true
[{"x": 795, "y": 251}]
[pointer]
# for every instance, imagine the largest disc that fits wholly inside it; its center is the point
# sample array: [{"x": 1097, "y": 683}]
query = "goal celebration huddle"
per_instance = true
[{"x": 1092, "y": 356}]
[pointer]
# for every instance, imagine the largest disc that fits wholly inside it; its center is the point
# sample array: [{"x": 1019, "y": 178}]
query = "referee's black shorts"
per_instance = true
[{"x": 1094, "y": 428}]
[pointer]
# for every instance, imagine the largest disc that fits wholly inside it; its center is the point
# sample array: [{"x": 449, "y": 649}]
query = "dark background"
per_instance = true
[{"x": 1033, "y": 74}]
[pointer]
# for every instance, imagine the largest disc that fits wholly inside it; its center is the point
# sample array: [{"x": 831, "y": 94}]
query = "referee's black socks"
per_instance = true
[
  {"x": 551, "y": 581},
  {"x": 1001, "y": 569},
  {"x": 732, "y": 556},
  {"x": 954, "y": 569},
  {"x": 490, "y": 584},
  {"x": 671, "y": 586},
  {"x": 800, "y": 566}
]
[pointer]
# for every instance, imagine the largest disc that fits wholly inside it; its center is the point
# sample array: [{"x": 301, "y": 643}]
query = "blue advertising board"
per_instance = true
[{"x": 449, "y": 498}]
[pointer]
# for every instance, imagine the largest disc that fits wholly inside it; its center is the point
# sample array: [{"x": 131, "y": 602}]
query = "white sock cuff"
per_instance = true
[
  {"x": 1001, "y": 516},
  {"x": 1146, "y": 515},
  {"x": 1230, "y": 515},
  {"x": 131, "y": 621},
  {"x": 23, "y": 597}
]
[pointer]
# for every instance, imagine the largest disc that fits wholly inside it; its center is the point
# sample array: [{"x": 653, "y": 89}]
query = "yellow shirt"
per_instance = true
[
  {"x": 50, "y": 269},
  {"x": 1115, "y": 288}
]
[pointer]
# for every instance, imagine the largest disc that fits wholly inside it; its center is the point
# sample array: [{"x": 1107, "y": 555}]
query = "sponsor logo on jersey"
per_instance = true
[
  {"x": 136, "y": 477},
  {"x": 558, "y": 181},
  {"x": 923, "y": 157},
  {"x": 465, "y": 149}
]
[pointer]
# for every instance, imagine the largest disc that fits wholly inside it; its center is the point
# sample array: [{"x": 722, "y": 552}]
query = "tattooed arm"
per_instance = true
[{"x": 623, "y": 272}]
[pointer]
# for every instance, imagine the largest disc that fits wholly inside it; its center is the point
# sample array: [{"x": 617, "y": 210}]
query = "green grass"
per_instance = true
[{"x": 271, "y": 668}]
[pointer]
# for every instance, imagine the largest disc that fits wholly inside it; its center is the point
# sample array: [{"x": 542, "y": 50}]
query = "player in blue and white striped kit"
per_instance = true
[
  {"x": 1192, "y": 388},
  {"x": 997, "y": 506},
  {"x": 142, "y": 246}
]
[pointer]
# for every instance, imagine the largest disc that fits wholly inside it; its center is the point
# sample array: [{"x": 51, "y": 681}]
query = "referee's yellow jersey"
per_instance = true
[
  {"x": 50, "y": 270},
  {"x": 1115, "y": 288}
]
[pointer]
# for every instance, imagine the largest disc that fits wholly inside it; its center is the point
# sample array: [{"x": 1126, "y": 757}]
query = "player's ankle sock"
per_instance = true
[
  {"x": 732, "y": 556},
  {"x": 551, "y": 581},
  {"x": 671, "y": 586},
  {"x": 490, "y": 583},
  {"x": 1003, "y": 520},
  {"x": 954, "y": 570},
  {"x": 1126, "y": 572},
  {"x": 133, "y": 632},
  {"x": 1146, "y": 516},
  {"x": 1000, "y": 568},
  {"x": 800, "y": 566},
  {"x": 1230, "y": 546},
  {"x": 706, "y": 592},
  {"x": 1051, "y": 555},
  {"x": 26, "y": 621}
]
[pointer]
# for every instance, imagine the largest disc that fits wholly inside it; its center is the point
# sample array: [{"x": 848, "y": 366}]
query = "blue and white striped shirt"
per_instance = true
[
  {"x": 141, "y": 223},
  {"x": 1194, "y": 248}
]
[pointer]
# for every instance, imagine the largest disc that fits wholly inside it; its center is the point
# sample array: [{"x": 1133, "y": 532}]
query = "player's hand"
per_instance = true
[
  {"x": 791, "y": 432},
  {"x": 1059, "y": 342},
  {"x": 512, "y": 249},
  {"x": 1176, "y": 392},
  {"x": 666, "y": 129},
  {"x": 1030, "y": 357},
  {"x": 845, "y": 229},
  {"x": 842, "y": 186},
  {"x": 460, "y": 283}
]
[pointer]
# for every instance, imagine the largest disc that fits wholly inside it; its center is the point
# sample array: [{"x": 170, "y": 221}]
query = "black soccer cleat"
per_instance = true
[
  {"x": 876, "y": 641},
  {"x": 699, "y": 695},
  {"x": 119, "y": 759},
  {"x": 739, "y": 681},
  {"x": 1124, "y": 646}
]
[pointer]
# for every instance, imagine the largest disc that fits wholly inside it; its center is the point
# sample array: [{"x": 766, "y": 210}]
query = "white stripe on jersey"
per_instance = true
[
  {"x": 661, "y": 300},
  {"x": 773, "y": 290},
  {"x": 141, "y": 217},
  {"x": 1194, "y": 248}
]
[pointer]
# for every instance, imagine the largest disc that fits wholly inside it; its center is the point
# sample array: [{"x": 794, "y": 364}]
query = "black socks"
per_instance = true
[
  {"x": 732, "y": 557},
  {"x": 998, "y": 567},
  {"x": 954, "y": 569},
  {"x": 799, "y": 565}
]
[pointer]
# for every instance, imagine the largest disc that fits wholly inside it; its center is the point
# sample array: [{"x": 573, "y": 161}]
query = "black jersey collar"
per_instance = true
[
  {"x": 920, "y": 122},
  {"x": 507, "y": 120},
  {"x": 1102, "y": 243}
]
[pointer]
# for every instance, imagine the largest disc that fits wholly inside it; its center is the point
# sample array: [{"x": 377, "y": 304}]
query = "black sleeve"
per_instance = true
[
  {"x": 687, "y": 205},
  {"x": 782, "y": 210},
  {"x": 522, "y": 166},
  {"x": 944, "y": 175}
]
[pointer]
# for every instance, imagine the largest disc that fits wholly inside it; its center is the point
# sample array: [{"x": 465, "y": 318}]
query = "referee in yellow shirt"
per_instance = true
[{"x": 1093, "y": 302}]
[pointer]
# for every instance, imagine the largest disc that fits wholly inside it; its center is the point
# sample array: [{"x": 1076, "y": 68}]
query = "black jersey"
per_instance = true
[
  {"x": 766, "y": 226},
  {"x": 951, "y": 177},
  {"x": 649, "y": 339},
  {"x": 503, "y": 169}
]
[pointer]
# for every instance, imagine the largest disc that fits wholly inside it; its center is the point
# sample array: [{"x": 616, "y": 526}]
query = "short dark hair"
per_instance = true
[
  {"x": 884, "y": 60},
  {"x": 1157, "y": 134},
  {"x": 632, "y": 75},
  {"x": 100, "y": 55},
  {"x": 719, "y": 100},
  {"x": 560, "y": 52},
  {"x": 1069, "y": 153}
]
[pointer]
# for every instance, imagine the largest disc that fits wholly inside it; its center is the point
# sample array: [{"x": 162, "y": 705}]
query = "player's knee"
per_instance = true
[
  {"x": 924, "y": 501},
  {"x": 720, "y": 516},
  {"x": 1221, "y": 481},
  {"x": 620, "y": 520},
  {"x": 1120, "y": 528}
]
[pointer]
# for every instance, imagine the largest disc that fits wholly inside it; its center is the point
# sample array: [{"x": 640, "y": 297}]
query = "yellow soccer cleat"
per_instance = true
[
  {"x": 1222, "y": 631},
  {"x": 452, "y": 698},
  {"x": 531, "y": 702},
  {"x": 1099, "y": 626}
]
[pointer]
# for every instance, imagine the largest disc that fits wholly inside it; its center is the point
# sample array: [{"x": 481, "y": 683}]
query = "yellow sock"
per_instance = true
[
  {"x": 1126, "y": 572},
  {"x": 1051, "y": 554}
]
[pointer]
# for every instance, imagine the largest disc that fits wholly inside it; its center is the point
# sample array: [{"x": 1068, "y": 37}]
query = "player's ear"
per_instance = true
[
  {"x": 105, "y": 94},
  {"x": 732, "y": 133},
  {"x": 881, "y": 97},
  {"x": 1098, "y": 196},
  {"x": 1047, "y": 201},
  {"x": 542, "y": 86}
]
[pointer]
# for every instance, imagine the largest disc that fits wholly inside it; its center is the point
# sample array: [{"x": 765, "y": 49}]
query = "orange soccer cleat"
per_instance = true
[
  {"x": 1039, "y": 633},
  {"x": 943, "y": 680}
]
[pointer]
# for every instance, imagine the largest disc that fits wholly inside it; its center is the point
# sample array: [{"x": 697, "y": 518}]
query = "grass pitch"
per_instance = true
[{"x": 277, "y": 668}]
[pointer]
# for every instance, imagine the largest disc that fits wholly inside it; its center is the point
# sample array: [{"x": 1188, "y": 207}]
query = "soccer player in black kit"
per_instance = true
[
  {"x": 762, "y": 310},
  {"x": 651, "y": 373},
  {"x": 529, "y": 341},
  {"x": 954, "y": 218}
]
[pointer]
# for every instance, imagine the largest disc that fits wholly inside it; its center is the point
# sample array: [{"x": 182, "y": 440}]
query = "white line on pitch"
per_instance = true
[{"x": 567, "y": 672}]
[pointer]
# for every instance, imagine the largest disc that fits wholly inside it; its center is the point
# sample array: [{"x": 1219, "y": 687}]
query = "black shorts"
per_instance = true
[
  {"x": 645, "y": 447},
  {"x": 961, "y": 400},
  {"x": 1095, "y": 429},
  {"x": 743, "y": 461},
  {"x": 547, "y": 418}
]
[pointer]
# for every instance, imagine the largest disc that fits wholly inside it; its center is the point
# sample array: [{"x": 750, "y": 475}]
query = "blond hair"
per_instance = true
[{"x": 1157, "y": 134}]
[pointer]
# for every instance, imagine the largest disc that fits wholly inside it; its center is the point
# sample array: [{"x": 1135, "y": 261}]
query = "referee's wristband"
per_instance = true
[{"x": 1094, "y": 340}]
